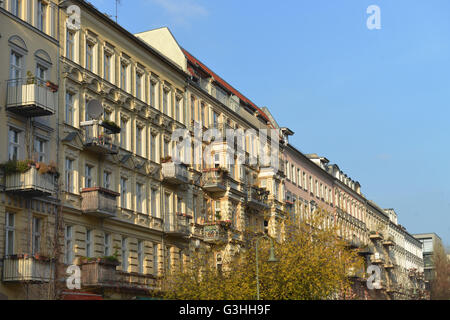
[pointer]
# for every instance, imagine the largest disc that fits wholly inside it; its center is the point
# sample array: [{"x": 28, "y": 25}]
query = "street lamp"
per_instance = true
[{"x": 272, "y": 259}]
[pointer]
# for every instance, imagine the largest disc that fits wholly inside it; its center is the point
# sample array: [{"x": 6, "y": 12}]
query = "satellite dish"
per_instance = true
[{"x": 94, "y": 109}]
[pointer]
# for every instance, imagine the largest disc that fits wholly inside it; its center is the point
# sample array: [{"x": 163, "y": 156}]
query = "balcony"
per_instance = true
[
  {"x": 389, "y": 265},
  {"x": 177, "y": 225},
  {"x": 132, "y": 281},
  {"x": 214, "y": 180},
  {"x": 377, "y": 258},
  {"x": 389, "y": 242},
  {"x": 99, "y": 137},
  {"x": 354, "y": 243},
  {"x": 258, "y": 198},
  {"x": 215, "y": 233},
  {"x": 31, "y": 97},
  {"x": 30, "y": 183},
  {"x": 99, "y": 273},
  {"x": 175, "y": 173},
  {"x": 375, "y": 235},
  {"x": 365, "y": 251},
  {"x": 99, "y": 202},
  {"x": 25, "y": 268}
]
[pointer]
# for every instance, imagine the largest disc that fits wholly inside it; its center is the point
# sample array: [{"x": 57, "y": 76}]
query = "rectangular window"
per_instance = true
[
  {"x": 123, "y": 76},
  {"x": 123, "y": 133},
  {"x": 14, "y": 144},
  {"x": 124, "y": 255},
  {"x": 194, "y": 207},
  {"x": 107, "y": 180},
  {"x": 123, "y": 192},
  {"x": 36, "y": 235},
  {"x": 69, "y": 175},
  {"x": 139, "y": 85},
  {"x": 69, "y": 109},
  {"x": 165, "y": 102},
  {"x": 203, "y": 115},
  {"x": 10, "y": 234},
  {"x": 89, "y": 56},
  {"x": 41, "y": 73},
  {"x": 15, "y": 66},
  {"x": 155, "y": 259},
  {"x": 68, "y": 245},
  {"x": 140, "y": 257},
  {"x": 88, "y": 176},
  {"x": 89, "y": 243},
  {"x": 139, "y": 132},
  {"x": 16, "y": 7},
  {"x": 192, "y": 108},
  {"x": 152, "y": 148},
  {"x": 107, "y": 66},
  {"x": 168, "y": 259},
  {"x": 107, "y": 245},
  {"x": 139, "y": 197},
  {"x": 41, "y": 15},
  {"x": 215, "y": 118},
  {"x": 40, "y": 148},
  {"x": 152, "y": 94},
  {"x": 178, "y": 110},
  {"x": 70, "y": 45},
  {"x": 154, "y": 199}
]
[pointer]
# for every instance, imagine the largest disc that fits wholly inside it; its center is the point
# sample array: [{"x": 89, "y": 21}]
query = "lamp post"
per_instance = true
[{"x": 271, "y": 259}]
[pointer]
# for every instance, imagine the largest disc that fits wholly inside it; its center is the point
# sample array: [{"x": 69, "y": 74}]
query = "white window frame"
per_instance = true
[
  {"x": 10, "y": 233},
  {"x": 36, "y": 235}
]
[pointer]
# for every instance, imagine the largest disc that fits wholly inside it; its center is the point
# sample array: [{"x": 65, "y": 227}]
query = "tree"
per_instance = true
[
  {"x": 313, "y": 264},
  {"x": 440, "y": 284}
]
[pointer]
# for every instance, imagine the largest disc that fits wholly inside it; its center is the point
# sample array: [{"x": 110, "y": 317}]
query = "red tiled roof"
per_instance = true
[{"x": 222, "y": 82}]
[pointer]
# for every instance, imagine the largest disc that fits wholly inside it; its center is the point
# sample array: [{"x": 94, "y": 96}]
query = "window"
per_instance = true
[
  {"x": 140, "y": 257},
  {"x": 192, "y": 107},
  {"x": 305, "y": 185},
  {"x": 123, "y": 133},
  {"x": 139, "y": 85},
  {"x": 10, "y": 234},
  {"x": 194, "y": 207},
  {"x": 88, "y": 176},
  {"x": 70, "y": 45},
  {"x": 152, "y": 148},
  {"x": 40, "y": 148},
  {"x": 203, "y": 114},
  {"x": 41, "y": 73},
  {"x": 123, "y": 76},
  {"x": 177, "y": 115},
  {"x": 89, "y": 56},
  {"x": 152, "y": 94},
  {"x": 107, "y": 180},
  {"x": 89, "y": 243},
  {"x": 41, "y": 15},
  {"x": 68, "y": 245},
  {"x": 154, "y": 199},
  {"x": 14, "y": 144},
  {"x": 123, "y": 192},
  {"x": 166, "y": 101},
  {"x": 155, "y": 259},
  {"x": 69, "y": 109},
  {"x": 107, "y": 66},
  {"x": 16, "y": 7},
  {"x": 139, "y": 197},
  {"x": 124, "y": 255},
  {"x": 36, "y": 235},
  {"x": 15, "y": 66},
  {"x": 107, "y": 245},
  {"x": 179, "y": 205},
  {"x": 168, "y": 260},
  {"x": 69, "y": 175},
  {"x": 139, "y": 132}
]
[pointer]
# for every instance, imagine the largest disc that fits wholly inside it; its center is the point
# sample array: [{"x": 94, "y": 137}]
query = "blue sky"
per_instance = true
[{"x": 373, "y": 101}]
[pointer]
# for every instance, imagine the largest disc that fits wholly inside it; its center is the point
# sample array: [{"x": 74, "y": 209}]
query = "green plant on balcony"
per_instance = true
[
  {"x": 111, "y": 126},
  {"x": 22, "y": 166},
  {"x": 31, "y": 78}
]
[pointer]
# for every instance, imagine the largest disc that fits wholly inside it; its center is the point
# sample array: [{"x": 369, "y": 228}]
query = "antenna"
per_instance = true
[
  {"x": 117, "y": 3},
  {"x": 94, "y": 109}
]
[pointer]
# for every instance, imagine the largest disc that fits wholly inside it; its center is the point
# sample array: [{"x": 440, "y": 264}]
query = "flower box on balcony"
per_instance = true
[
  {"x": 28, "y": 268},
  {"x": 98, "y": 272},
  {"x": 111, "y": 126},
  {"x": 29, "y": 178}
]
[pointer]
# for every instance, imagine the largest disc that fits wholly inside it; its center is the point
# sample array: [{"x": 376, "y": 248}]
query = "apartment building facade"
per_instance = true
[{"x": 28, "y": 94}]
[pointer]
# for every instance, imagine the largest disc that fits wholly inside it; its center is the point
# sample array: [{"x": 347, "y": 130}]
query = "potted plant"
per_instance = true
[{"x": 111, "y": 126}]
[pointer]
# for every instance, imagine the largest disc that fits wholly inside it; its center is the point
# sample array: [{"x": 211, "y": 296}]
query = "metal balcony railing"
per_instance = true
[
  {"x": 175, "y": 172},
  {"x": 30, "y": 183},
  {"x": 31, "y": 97},
  {"x": 24, "y": 268}
]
